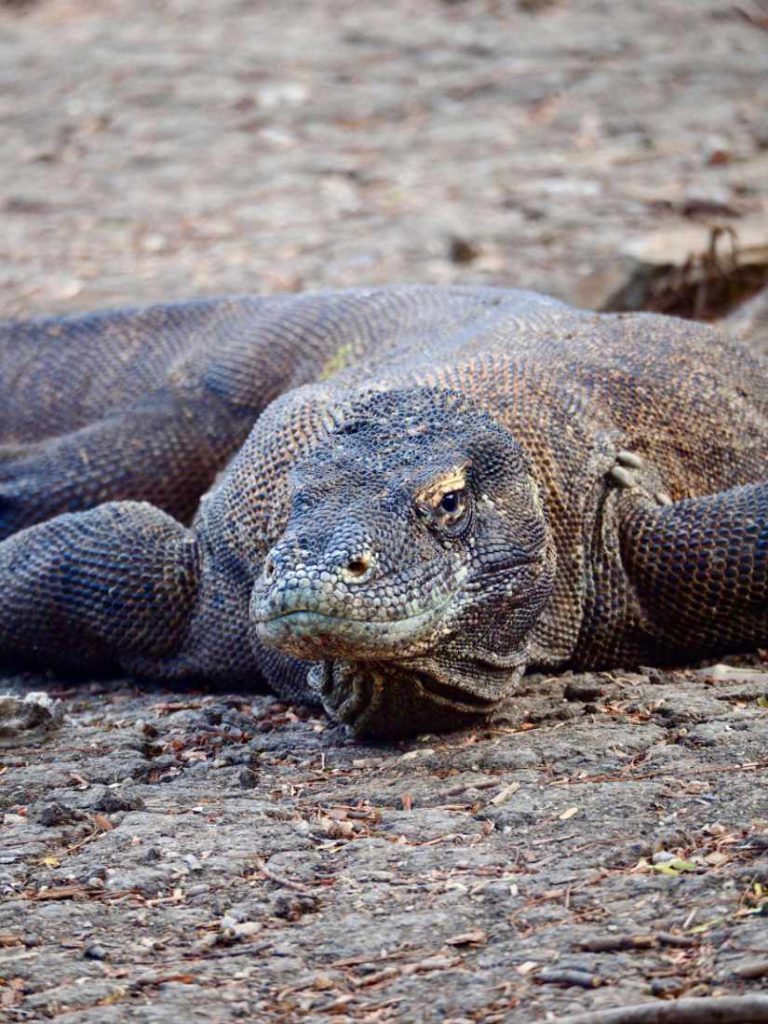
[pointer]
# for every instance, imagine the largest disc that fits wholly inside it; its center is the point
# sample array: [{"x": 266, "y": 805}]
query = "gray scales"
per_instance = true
[{"x": 390, "y": 501}]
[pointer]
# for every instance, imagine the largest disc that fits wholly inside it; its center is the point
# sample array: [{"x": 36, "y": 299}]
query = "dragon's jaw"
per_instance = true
[
  {"x": 443, "y": 666},
  {"x": 396, "y": 676}
]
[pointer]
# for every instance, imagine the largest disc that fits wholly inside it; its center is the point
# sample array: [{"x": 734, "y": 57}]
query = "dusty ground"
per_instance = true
[{"x": 177, "y": 856}]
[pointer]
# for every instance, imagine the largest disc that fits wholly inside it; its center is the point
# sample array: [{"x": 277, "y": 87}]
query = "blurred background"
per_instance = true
[{"x": 613, "y": 153}]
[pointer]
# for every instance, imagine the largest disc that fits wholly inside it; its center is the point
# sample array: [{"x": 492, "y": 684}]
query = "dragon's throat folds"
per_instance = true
[{"x": 375, "y": 699}]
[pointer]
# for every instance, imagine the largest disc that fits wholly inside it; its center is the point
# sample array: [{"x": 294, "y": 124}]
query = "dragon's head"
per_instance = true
[{"x": 414, "y": 564}]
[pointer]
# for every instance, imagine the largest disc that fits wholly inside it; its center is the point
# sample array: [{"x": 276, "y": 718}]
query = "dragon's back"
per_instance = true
[
  {"x": 565, "y": 381},
  {"x": 686, "y": 397},
  {"x": 689, "y": 400},
  {"x": 61, "y": 373}
]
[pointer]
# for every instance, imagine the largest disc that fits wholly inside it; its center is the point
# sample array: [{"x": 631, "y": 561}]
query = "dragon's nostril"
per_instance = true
[{"x": 269, "y": 569}]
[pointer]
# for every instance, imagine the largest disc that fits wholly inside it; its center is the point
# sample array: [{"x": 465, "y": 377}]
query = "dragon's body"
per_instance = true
[{"x": 392, "y": 499}]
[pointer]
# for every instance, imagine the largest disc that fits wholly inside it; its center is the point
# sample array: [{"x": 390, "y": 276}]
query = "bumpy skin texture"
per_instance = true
[{"x": 420, "y": 492}]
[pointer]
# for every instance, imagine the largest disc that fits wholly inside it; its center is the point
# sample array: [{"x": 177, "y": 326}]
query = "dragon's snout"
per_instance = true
[
  {"x": 350, "y": 565},
  {"x": 311, "y": 605},
  {"x": 339, "y": 600}
]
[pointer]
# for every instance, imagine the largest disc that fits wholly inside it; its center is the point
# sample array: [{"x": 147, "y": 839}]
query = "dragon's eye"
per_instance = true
[
  {"x": 450, "y": 502},
  {"x": 447, "y": 504},
  {"x": 451, "y": 511}
]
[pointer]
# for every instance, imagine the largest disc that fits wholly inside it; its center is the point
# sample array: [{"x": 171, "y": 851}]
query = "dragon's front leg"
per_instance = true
[
  {"x": 101, "y": 588},
  {"x": 699, "y": 569}
]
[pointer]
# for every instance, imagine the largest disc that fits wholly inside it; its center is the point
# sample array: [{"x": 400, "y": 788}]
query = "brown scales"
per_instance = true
[{"x": 596, "y": 495}]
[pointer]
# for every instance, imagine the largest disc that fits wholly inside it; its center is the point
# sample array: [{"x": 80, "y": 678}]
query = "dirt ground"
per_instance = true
[{"x": 180, "y": 856}]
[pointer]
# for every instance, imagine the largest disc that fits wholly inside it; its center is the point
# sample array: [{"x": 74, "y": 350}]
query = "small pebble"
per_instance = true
[
  {"x": 292, "y": 907},
  {"x": 95, "y": 952},
  {"x": 56, "y": 813},
  {"x": 242, "y": 930},
  {"x": 667, "y": 986},
  {"x": 110, "y": 802},
  {"x": 198, "y": 890},
  {"x": 247, "y": 779},
  {"x": 662, "y": 857}
]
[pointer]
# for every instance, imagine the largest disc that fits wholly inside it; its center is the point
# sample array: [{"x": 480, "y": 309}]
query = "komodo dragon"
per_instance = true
[{"x": 391, "y": 501}]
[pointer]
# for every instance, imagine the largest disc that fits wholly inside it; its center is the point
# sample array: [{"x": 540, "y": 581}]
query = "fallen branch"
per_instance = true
[
  {"x": 287, "y": 883},
  {"x": 615, "y": 943},
  {"x": 566, "y": 976},
  {"x": 756, "y": 969},
  {"x": 726, "y": 1010},
  {"x": 753, "y": 16}
]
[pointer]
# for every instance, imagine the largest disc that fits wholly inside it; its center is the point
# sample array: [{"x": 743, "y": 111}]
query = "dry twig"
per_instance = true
[
  {"x": 567, "y": 976},
  {"x": 287, "y": 883},
  {"x": 726, "y": 1010}
]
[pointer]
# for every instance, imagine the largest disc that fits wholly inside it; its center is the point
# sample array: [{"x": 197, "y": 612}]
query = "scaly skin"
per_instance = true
[{"x": 426, "y": 491}]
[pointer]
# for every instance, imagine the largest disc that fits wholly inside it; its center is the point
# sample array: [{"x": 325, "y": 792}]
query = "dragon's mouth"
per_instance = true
[{"x": 309, "y": 633}]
